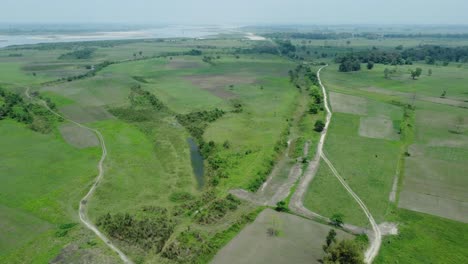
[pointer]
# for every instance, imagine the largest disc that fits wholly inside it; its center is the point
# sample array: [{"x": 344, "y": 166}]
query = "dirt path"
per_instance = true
[
  {"x": 296, "y": 200},
  {"x": 82, "y": 211}
]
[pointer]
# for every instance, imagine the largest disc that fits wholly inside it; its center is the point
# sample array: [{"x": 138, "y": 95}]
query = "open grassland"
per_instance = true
[
  {"x": 297, "y": 240},
  {"x": 424, "y": 238},
  {"x": 147, "y": 162},
  {"x": 43, "y": 179},
  {"x": 367, "y": 164}
]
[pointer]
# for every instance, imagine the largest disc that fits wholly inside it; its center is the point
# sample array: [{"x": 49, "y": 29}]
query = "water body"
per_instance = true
[
  {"x": 170, "y": 31},
  {"x": 197, "y": 162}
]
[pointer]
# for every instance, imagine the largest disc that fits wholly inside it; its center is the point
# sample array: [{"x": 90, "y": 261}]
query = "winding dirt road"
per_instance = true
[
  {"x": 82, "y": 211},
  {"x": 297, "y": 205}
]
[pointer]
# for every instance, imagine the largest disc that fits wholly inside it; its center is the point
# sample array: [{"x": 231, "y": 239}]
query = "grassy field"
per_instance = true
[
  {"x": 424, "y": 239},
  {"x": 43, "y": 179}
]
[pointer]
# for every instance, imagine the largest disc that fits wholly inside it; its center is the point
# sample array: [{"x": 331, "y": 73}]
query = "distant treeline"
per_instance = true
[
  {"x": 368, "y": 35},
  {"x": 428, "y": 53},
  {"x": 80, "y": 54}
]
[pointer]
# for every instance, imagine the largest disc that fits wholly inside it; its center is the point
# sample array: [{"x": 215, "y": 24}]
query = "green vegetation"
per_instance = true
[
  {"x": 244, "y": 103},
  {"x": 80, "y": 54},
  {"x": 423, "y": 238},
  {"x": 343, "y": 252}
]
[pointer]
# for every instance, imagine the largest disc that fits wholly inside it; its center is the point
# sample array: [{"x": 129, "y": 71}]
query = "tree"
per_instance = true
[
  {"x": 319, "y": 126},
  {"x": 430, "y": 60},
  {"x": 281, "y": 206},
  {"x": 386, "y": 73},
  {"x": 337, "y": 219},
  {"x": 429, "y": 72},
  {"x": 345, "y": 252},
  {"x": 313, "y": 109},
  {"x": 140, "y": 52},
  {"x": 370, "y": 65},
  {"x": 331, "y": 238},
  {"x": 416, "y": 73}
]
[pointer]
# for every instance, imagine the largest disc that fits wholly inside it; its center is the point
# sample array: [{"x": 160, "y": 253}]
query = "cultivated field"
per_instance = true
[{"x": 298, "y": 241}]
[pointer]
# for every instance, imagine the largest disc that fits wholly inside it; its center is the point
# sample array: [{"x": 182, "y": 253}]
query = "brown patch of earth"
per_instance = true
[
  {"x": 218, "y": 85},
  {"x": 175, "y": 64}
]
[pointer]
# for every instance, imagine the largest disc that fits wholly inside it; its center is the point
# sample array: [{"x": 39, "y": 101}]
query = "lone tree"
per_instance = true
[
  {"x": 416, "y": 73},
  {"x": 370, "y": 65},
  {"x": 337, "y": 220},
  {"x": 319, "y": 126},
  {"x": 429, "y": 72},
  {"x": 331, "y": 238}
]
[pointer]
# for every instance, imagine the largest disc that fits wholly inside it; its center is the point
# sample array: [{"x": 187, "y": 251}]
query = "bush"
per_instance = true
[
  {"x": 281, "y": 206},
  {"x": 319, "y": 125}
]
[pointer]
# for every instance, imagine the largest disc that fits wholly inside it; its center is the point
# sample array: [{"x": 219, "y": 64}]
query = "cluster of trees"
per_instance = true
[
  {"x": 264, "y": 48},
  {"x": 80, "y": 54},
  {"x": 428, "y": 53},
  {"x": 433, "y": 53},
  {"x": 303, "y": 76},
  {"x": 148, "y": 232},
  {"x": 210, "y": 59},
  {"x": 193, "y": 52},
  {"x": 191, "y": 244},
  {"x": 349, "y": 63},
  {"x": 217, "y": 209},
  {"x": 35, "y": 116},
  {"x": 207, "y": 209},
  {"x": 141, "y": 98},
  {"x": 342, "y": 252},
  {"x": 316, "y": 104},
  {"x": 285, "y": 47},
  {"x": 196, "y": 122}
]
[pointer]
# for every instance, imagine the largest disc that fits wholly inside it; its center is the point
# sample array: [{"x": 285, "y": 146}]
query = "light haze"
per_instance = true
[{"x": 236, "y": 12}]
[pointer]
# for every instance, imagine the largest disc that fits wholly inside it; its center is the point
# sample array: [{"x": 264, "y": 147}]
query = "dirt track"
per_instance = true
[
  {"x": 82, "y": 211},
  {"x": 297, "y": 205}
]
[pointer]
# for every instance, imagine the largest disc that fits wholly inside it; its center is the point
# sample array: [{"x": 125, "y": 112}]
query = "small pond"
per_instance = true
[{"x": 197, "y": 162}]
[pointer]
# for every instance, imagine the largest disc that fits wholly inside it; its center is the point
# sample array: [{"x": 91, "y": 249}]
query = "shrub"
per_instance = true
[{"x": 319, "y": 125}]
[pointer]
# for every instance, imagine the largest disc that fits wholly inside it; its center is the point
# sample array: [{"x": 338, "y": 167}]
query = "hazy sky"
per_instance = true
[{"x": 237, "y": 11}]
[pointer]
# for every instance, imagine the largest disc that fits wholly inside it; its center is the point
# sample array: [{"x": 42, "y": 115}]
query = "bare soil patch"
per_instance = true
[
  {"x": 377, "y": 127},
  {"x": 434, "y": 185},
  {"x": 86, "y": 114},
  {"x": 296, "y": 240},
  {"x": 350, "y": 104},
  {"x": 77, "y": 136},
  {"x": 219, "y": 85},
  {"x": 175, "y": 64}
]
